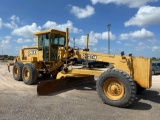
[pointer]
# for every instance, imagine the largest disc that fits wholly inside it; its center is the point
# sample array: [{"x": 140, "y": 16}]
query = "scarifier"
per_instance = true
[{"x": 117, "y": 85}]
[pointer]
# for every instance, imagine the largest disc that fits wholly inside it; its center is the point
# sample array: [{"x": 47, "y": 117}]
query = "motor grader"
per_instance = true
[{"x": 116, "y": 85}]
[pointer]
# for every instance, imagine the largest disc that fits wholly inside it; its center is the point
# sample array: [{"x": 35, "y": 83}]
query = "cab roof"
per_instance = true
[{"x": 49, "y": 31}]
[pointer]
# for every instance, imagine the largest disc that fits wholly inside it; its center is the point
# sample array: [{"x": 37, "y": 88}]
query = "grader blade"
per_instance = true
[{"x": 52, "y": 86}]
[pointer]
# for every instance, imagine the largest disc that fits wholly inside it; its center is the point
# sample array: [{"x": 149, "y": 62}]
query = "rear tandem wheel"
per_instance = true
[
  {"x": 29, "y": 74},
  {"x": 116, "y": 88},
  {"x": 17, "y": 71}
]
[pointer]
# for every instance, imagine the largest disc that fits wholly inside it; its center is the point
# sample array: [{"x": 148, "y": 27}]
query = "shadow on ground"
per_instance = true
[
  {"x": 147, "y": 95},
  {"x": 139, "y": 104}
]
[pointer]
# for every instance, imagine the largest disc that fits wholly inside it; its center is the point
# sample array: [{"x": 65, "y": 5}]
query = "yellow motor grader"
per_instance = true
[{"x": 117, "y": 85}]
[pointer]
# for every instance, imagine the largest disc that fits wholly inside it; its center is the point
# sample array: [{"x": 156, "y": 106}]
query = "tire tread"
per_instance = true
[{"x": 123, "y": 74}]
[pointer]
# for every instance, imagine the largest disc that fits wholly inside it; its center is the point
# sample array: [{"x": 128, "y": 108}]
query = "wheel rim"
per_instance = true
[
  {"x": 15, "y": 71},
  {"x": 113, "y": 89},
  {"x": 26, "y": 74}
]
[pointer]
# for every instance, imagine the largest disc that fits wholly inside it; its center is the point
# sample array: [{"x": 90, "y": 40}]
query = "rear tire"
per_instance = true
[
  {"x": 29, "y": 74},
  {"x": 116, "y": 88},
  {"x": 17, "y": 71}
]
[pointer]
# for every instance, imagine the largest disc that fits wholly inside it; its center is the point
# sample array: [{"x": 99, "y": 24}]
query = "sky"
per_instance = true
[{"x": 135, "y": 24}]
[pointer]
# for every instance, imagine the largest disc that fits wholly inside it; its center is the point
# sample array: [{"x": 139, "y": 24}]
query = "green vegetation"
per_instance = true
[
  {"x": 155, "y": 59},
  {"x": 11, "y": 57}
]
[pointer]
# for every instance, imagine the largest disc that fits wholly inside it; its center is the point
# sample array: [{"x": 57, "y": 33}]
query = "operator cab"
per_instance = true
[{"x": 49, "y": 42}]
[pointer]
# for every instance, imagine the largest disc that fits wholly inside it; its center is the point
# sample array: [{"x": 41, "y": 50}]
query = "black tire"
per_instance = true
[
  {"x": 29, "y": 74},
  {"x": 17, "y": 71},
  {"x": 116, "y": 88}
]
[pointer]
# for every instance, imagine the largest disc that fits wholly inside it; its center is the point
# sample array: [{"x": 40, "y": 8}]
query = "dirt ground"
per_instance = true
[{"x": 20, "y": 102}]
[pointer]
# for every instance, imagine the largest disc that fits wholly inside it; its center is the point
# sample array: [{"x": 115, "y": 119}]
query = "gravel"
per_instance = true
[{"x": 20, "y": 102}]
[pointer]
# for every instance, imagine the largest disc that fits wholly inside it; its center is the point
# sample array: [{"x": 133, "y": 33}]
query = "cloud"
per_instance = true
[
  {"x": 8, "y": 37},
  {"x": 26, "y": 31},
  {"x": 156, "y": 48},
  {"x": 102, "y": 36},
  {"x": 118, "y": 42},
  {"x": 92, "y": 41},
  {"x": 14, "y": 18},
  {"x": 146, "y": 15},
  {"x": 82, "y": 41},
  {"x": 82, "y": 13},
  {"x": 94, "y": 49},
  {"x": 139, "y": 34},
  {"x": 24, "y": 46},
  {"x": 62, "y": 27},
  {"x": 103, "y": 50},
  {"x": 1, "y": 23},
  {"x": 94, "y": 37},
  {"x": 129, "y": 3},
  {"x": 11, "y": 25},
  {"x": 127, "y": 44},
  {"x": 21, "y": 40},
  {"x": 5, "y": 43},
  {"x": 141, "y": 46},
  {"x": 147, "y": 46}
]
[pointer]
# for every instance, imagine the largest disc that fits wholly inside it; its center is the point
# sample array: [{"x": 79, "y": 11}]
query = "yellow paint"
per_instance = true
[
  {"x": 113, "y": 89},
  {"x": 138, "y": 68},
  {"x": 26, "y": 74}
]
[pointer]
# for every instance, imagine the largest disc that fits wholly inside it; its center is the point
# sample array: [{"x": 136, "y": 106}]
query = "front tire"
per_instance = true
[
  {"x": 116, "y": 88},
  {"x": 29, "y": 74}
]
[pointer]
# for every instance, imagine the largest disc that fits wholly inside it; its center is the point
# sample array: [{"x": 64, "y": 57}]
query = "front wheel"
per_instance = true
[{"x": 116, "y": 88}]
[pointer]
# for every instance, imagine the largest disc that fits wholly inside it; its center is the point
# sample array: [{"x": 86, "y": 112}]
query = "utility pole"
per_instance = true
[
  {"x": 109, "y": 25},
  {"x": 74, "y": 42}
]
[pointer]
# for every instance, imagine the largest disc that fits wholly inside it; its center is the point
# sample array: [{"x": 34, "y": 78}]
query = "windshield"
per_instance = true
[{"x": 58, "y": 40}]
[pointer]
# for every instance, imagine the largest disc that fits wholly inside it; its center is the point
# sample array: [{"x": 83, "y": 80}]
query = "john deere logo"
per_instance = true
[
  {"x": 32, "y": 52},
  {"x": 90, "y": 56}
]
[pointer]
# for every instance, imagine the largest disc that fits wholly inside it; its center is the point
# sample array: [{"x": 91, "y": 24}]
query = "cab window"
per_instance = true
[
  {"x": 62, "y": 41},
  {"x": 58, "y": 40},
  {"x": 43, "y": 40},
  {"x": 55, "y": 41},
  {"x": 40, "y": 42}
]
